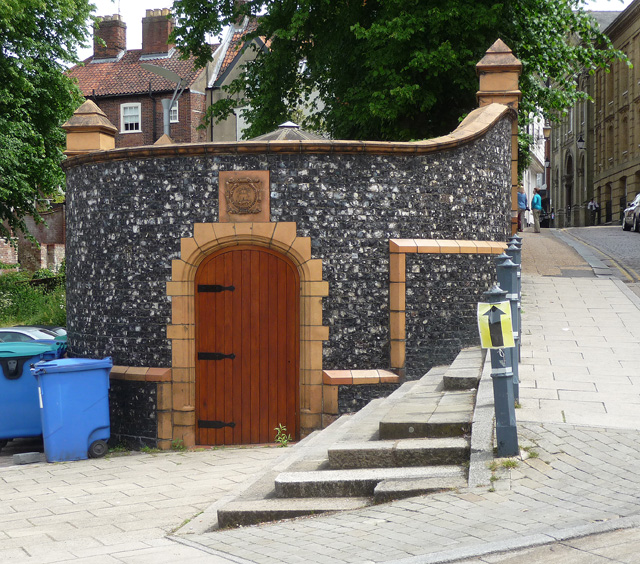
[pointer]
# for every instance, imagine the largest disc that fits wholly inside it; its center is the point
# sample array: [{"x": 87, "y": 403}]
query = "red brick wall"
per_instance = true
[
  {"x": 53, "y": 231},
  {"x": 51, "y": 238},
  {"x": 8, "y": 254},
  {"x": 183, "y": 132}
]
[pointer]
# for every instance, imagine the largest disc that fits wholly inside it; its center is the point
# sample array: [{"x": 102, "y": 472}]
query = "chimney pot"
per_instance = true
[
  {"x": 113, "y": 31},
  {"x": 156, "y": 27}
]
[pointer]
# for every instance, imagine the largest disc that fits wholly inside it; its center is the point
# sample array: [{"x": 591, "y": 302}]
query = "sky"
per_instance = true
[{"x": 132, "y": 12}]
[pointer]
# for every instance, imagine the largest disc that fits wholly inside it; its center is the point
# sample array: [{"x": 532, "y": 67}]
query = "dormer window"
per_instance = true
[{"x": 130, "y": 118}]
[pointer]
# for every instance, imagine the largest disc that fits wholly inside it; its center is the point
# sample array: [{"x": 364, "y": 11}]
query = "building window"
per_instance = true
[
  {"x": 130, "y": 118},
  {"x": 570, "y": 120},
  {"x": 173, "y": 113}
]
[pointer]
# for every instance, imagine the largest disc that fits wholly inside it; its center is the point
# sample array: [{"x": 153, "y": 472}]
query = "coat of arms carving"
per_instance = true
[{"x": 243, "y": 195}]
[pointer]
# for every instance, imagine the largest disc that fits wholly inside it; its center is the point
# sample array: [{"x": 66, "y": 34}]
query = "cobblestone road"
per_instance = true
[{"x": 620, "y": 248}]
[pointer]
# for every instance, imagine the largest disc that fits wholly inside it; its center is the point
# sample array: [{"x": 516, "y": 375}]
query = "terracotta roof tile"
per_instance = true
[
  {"x": 236, "y": 44},
  {"x": 126, "y": 76}
]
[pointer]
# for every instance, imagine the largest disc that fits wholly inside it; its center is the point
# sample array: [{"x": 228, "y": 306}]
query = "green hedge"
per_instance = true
[{"x": 23, "y": 302}]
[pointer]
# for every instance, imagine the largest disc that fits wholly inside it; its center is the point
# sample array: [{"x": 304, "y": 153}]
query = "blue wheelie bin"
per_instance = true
[
  {"x": 74, "y": 395},
  {"x": 60, "y": 343},
  {"x": 19, "y": 405}
]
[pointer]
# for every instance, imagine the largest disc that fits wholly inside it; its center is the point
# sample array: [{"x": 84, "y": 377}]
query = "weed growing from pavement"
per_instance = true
[
  {"x": 118, "y": 450},
  {"x": 531, "y": 452},
  {"x": 178, "y": 444},
  {"x": 149, "y": 450},
  {"x": 186, "y": 522},
  {"x": 281, "y": 435},
  {"x": 509, "y": 463}
]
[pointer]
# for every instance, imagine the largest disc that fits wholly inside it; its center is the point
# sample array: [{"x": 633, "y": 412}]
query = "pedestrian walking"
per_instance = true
[
  {"x": 522, "y": 207},
  {"x": 536, "y": 209},
  {"x": 593, "y": 207}
]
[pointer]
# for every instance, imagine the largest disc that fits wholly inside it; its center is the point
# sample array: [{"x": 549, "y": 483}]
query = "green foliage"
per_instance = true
[
  {"x": 23, "y": 304},
  {"x": 37, "y": 38},
  {"x": 178, "y": 444},
  {"x": 282, "y": 438},
  {"x": 393, "y": 69}
]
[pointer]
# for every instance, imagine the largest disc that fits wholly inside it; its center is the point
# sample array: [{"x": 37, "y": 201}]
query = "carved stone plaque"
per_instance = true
[{"x": 243, "y": 196}]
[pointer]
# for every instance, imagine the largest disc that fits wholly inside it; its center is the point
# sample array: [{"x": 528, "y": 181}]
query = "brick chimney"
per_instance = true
[
  {"x": 156, "y": 27},
  {"x": 113, "y": 31}
]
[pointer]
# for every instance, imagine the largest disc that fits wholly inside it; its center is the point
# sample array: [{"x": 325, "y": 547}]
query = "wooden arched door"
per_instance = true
[{"x": 247, "y": 302}]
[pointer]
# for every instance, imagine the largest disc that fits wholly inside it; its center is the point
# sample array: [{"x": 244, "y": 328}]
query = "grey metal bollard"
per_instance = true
[
  {"x": 502, "y": 376},
  {"x": 515, "y": 252},
  {"x": 508, "y": 280}
]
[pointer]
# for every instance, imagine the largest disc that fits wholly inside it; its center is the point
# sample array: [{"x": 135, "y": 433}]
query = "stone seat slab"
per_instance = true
[
  {"x": 352, "y": 483},
  {"x": 388, "y": 490},
  {"x": 243, "y": 513},
  {"x": 449, "y": 415},
  {"x": 401, "y": 453}
]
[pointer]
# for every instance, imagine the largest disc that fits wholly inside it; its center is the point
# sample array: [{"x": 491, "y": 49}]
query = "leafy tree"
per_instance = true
[
  {"x": 37, "y": 37},
  {"x": 394, "y": 69}
]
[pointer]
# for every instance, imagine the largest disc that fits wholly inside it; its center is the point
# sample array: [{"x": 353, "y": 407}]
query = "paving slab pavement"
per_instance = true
[{"x": 575, "y": 498}]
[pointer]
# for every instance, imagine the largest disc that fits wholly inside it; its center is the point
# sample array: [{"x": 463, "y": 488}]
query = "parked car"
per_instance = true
[
  {"x": 631, "y": 217},
  {"x": 26, "y": 334}
]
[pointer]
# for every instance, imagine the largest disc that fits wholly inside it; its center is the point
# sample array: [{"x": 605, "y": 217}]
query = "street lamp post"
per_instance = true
[{"x": 180, "y": 83}]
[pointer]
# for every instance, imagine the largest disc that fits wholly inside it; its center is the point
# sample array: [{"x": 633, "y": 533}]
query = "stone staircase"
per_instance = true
[{"x": 414, "y": 442}]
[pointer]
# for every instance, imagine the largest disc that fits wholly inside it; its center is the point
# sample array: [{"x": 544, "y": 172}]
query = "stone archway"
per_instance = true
[{"x": 209, "y": 238}]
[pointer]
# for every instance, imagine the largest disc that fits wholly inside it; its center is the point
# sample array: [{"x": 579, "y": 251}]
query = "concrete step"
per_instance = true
[
  {"x": 430, "y": 415},
  {"x": 401, "y": 453},
  {"x": 353, "y": 483},
  {"x": 465, "y": 371},
  {"x": 243, "y": 513},
  {"x": 388, "y": 490}
]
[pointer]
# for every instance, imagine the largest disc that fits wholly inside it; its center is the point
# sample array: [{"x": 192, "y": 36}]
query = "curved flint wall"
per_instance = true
[{"x": 127, "y": 210}]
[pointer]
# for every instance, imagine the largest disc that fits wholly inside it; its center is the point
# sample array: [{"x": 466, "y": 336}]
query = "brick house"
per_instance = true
[{"x": 130, "y": 96}]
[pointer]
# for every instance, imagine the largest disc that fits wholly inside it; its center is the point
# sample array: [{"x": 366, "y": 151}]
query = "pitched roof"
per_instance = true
[
  {"x": 231, "y": 48},
  {"x": 117, "y": 77},
  {"x": 236, "y": 44}
]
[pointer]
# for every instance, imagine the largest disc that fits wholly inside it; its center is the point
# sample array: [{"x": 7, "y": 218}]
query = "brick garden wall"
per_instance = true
[{"x": 126, "y": 217}]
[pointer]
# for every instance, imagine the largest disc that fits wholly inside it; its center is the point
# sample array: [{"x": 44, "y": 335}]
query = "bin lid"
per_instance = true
[
  {"x": 71, "y": 365},
  {"x": 25, "y": 350}
]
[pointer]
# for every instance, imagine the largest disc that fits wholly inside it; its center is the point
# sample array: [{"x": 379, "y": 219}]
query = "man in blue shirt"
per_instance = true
[
  {"x": 536, "y": 208},
  {"x": 522, "y": 207}
]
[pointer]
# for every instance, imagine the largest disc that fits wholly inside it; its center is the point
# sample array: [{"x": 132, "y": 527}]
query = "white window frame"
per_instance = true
[
  {"x": 174, "y": 115},
  {"x": 138, "y": 107}
]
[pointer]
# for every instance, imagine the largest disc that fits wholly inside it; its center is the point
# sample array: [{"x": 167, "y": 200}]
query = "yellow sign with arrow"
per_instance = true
[{"x": 494, "y": 324}]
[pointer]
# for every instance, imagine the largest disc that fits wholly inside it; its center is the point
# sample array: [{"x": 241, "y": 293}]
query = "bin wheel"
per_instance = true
[
  {"x": 3, "y": 443},
  {"x": 98, "y": 449}
]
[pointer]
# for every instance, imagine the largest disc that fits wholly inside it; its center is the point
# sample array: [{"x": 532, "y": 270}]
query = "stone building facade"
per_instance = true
[
  {"x": 595, "y": 149},
  {"x": 616, "y": 156}
]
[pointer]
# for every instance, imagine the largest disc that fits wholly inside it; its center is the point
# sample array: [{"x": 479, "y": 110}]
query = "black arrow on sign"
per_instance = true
[{"x": 495, "y": 326}]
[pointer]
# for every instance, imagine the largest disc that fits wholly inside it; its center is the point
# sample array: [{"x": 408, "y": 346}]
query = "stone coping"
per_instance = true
[
  {"x": 473, "y": 127},
  {"x": 349, "y": 377},
  {"x": 444, "y": 246},
  {"x": 141, "y": 374}
]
